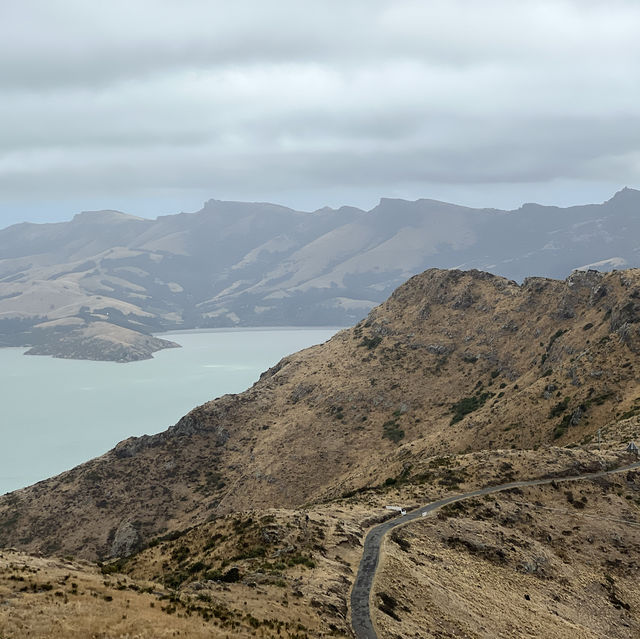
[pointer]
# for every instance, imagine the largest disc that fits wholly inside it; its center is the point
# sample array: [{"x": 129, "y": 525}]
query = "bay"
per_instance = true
[{"x": 56, "y": 414}]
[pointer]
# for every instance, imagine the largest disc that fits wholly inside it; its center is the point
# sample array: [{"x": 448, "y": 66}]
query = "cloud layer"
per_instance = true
[{"x": 317, "y": 100}]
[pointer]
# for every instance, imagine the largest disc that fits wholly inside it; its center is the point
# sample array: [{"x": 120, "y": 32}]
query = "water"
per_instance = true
[{"x": 55, "y": 414}]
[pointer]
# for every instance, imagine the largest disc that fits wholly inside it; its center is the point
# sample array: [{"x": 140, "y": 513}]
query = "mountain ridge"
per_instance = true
[
  {"x": 452, "y": 362},
  {"x": 260, "y": 264},
  {"x": 247, "y": 517}
]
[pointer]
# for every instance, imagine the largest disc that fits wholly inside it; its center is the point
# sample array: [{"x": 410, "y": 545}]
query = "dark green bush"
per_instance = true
[
  {"x": 468, "y": 405},
  {"x": 391, "y": 431},
  {"x": 371, "y": 342}
]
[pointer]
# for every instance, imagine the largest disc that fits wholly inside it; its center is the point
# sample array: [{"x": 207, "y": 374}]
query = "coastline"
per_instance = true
[{"x": 247, "y": 329}]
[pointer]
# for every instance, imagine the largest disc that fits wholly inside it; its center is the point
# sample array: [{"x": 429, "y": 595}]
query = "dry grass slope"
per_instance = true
[
  {"x": 287, "y": 573},
  {"x": 453, "y": 362},
  {"x": 550, "y": 561}
]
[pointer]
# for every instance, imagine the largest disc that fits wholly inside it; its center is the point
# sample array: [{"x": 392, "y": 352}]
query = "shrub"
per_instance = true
[
  {"x": 371, "y": 342},
  {"x": 559, "y": 408},
  {"x": 391, "y": 431},
  {"x": 180, "y": 553},
  {"x": 231, "y": 576},
  {"x": 468, "y": 405},
  {"x": 554, "y": 337},
  {"x": 301, "y": 560}
]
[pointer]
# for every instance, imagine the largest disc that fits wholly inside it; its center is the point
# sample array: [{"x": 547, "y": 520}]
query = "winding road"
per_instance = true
[{"x": 361, "y": 621}]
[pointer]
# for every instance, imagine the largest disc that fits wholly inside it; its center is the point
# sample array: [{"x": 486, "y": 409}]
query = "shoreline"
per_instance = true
[
  {"x": 247, "y": 329},
  {"x": 195, "y": 331}
]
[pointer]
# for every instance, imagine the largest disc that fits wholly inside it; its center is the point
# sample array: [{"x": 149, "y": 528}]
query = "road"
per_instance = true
[{"x": 360, "y": 595}]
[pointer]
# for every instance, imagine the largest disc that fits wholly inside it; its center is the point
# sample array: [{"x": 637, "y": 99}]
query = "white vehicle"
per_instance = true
[{"x": 398, "y": 509}]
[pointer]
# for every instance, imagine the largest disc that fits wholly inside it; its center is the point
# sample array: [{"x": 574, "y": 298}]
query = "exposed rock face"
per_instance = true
[
  {"x": 125, "y": 540},
  {"x": 505, "y": 371}
]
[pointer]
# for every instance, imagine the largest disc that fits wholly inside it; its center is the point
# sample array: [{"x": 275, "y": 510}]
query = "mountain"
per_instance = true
[
  {"x": 247, "y": 517},
  {"x": 253, "y": 264},
  {"x": 453, "y": 362}
]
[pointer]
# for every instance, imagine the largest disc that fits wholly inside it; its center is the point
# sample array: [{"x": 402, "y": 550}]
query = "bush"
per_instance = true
[
  {"x": 554, "y": 337},
  {"x": 391, "y": 431},
  {"x": 301, "y": 560},
  {"x": 197, "y": 567},
  {"x": 371, "y": 342},
  {"x": 559, "y": 408},
  {"x": 232, "y": 576},
  {"x": 180, "y": 553},
  {"x": 468, "y": 405}
]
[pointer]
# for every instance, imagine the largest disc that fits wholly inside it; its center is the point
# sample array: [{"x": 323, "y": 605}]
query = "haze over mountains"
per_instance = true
[{"x": 96, "y": 286}]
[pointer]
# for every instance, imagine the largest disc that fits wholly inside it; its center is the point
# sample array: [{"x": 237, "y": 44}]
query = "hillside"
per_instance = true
[
  {"x": 557, "y": 559},
  {"x": 554, "y": 561},
  {"x": 453, "y": 362},
  {"x": 253, "y": 264},
  {"x": 247, "y": 518}
]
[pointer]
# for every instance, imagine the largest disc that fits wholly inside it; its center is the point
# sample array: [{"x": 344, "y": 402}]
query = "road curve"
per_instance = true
[{"x": 361, "y": 621}]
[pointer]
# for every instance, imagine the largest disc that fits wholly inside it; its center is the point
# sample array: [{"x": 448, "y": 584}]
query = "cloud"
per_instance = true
[{"x": 251, "y": 97}]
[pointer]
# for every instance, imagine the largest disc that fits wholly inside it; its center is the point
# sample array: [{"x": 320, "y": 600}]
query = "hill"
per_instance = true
[
  {"x": 254, "y": 264},
  {"x": 558, "y": 559},
  {"x": 453, "y": 362},
  {"x": 247, "y": 517}
]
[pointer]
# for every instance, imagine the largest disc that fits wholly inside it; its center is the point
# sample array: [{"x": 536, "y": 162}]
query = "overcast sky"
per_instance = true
[{"x": 152, "y": 106}]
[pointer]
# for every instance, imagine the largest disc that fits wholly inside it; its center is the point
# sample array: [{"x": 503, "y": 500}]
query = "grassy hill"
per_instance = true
[
  {"x": 453, "y": 362},
  {"x": 247, "y": 517}
]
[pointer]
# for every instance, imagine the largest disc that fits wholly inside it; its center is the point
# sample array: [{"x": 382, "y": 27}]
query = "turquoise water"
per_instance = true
[{"x": 55, "y": 414}]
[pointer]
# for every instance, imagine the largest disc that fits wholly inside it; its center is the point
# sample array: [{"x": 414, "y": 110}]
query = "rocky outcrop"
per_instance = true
[{"x": 125, "y": 540}]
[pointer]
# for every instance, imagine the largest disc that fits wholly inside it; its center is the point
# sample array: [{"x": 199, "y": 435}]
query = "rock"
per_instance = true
[
  {"x": 629, "y": 313},
  {"x": 271, "y": 534},
  {"x": 192, "y": 424},
  {"x": 381, "y": 330},
  {"x": 300, "y": 391},
  {"x": 566, "y": 309},
  {"x": 131, "y": 446},
  {"x": 126, "y": 540},
  {"x": 464, "y": 300},
  {"x": 439, "y": 349},
  {"x": 576, "y": 417},
  {"x": 597, "y": 293}
]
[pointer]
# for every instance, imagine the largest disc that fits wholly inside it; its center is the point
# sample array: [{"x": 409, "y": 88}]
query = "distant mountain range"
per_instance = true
[{"x": 256, "y": 264}]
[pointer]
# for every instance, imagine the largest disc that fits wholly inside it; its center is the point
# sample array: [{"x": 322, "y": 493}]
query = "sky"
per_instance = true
[{"x": 154, "y": 106}]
